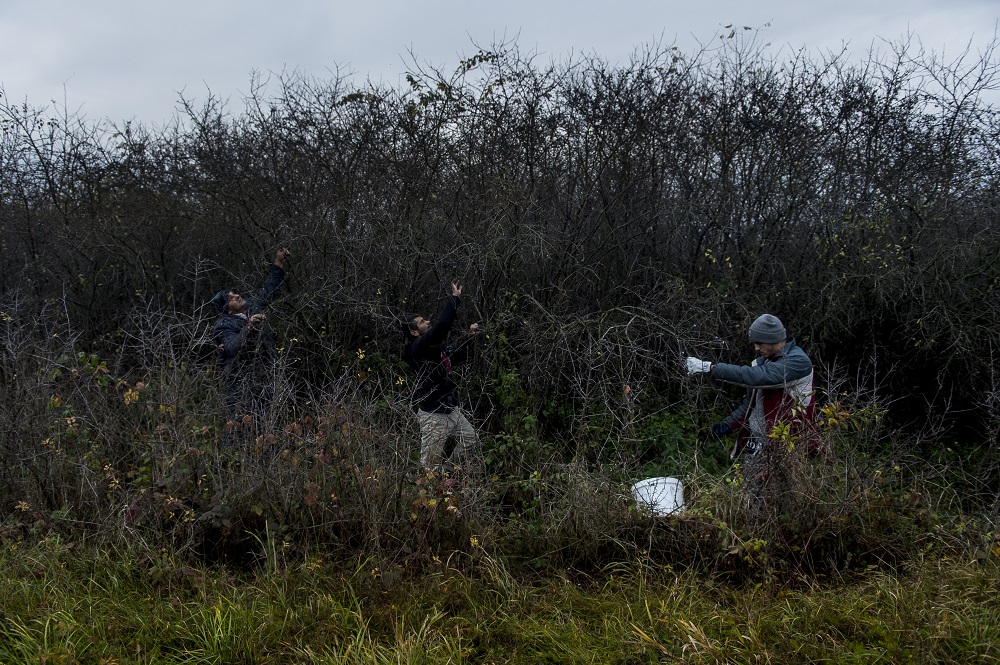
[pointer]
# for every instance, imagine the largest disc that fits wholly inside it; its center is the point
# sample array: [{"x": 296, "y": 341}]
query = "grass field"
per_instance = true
[{"x": 76, "y": 604}]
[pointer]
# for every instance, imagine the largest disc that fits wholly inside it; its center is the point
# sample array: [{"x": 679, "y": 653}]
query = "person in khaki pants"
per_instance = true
[{"x": 428, "y": 353}]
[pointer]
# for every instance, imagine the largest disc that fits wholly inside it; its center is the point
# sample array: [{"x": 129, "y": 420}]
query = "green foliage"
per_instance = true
[{"x": 671, "y": 445}]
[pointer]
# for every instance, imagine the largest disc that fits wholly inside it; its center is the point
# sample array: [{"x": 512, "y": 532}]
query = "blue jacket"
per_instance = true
[
  {"x": 778, "y": 389},
  {"x": 237, "y": 342}
]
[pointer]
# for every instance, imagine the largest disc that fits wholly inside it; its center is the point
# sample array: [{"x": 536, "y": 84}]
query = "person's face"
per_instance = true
[
  {"x": 235, "y": 304},
  {"x": 421, "y": 324},
  {"x": 768, "y": 350}
]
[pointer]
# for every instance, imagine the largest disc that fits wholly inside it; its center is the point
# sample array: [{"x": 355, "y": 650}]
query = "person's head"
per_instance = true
[
  {"x": 228, "y": 301},
  {"x": 768, "y": 335},
  {"x": 415, "y": 326}
]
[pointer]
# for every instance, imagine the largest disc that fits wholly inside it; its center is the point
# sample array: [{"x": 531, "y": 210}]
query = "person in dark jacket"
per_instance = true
[
  {"x": 427, "y": 352},
  {"x": 246, "y": 344},
  {"x": 779, "y": 386}
]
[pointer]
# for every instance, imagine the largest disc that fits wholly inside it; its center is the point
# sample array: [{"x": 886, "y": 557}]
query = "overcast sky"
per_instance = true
[{"x": 124, "y": 60}]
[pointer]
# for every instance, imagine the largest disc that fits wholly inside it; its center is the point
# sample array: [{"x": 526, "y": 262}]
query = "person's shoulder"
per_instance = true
[
  {"x": 794, "y": 347},
  {"x": 795, "y": 352}
]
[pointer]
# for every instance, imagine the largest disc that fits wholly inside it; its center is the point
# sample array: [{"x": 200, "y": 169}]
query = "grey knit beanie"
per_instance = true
[{"x": 767, "y": 329}]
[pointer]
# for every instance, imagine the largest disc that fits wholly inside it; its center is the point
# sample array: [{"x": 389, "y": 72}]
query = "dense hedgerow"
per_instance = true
[
  {"x": 139, "y": 458},
  {"x": 604, "y": 218}
]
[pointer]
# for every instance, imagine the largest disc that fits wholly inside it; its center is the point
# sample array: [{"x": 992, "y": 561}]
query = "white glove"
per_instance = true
[{"x": 696, "y": 366}]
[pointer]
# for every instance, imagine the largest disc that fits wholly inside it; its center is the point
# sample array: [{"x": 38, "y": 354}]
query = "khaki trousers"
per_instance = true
[{"x": 436, "y": 428}]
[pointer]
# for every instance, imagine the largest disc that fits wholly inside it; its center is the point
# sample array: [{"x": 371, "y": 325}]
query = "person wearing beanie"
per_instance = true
[
  {"x": 779, "y": 387},
  {"x": 427, "y": 352},
  {"x": 246, "y": 345}
]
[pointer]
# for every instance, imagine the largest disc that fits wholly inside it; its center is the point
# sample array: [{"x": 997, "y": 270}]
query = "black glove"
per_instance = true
[{"x": 721, "y": 429}]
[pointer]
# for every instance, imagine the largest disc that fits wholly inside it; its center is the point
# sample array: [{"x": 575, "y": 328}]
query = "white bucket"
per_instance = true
[{"x": 661, "y": 496}]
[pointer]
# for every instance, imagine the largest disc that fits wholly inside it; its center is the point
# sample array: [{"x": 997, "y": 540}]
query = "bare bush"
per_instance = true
[{"x": 606, "y": 219}]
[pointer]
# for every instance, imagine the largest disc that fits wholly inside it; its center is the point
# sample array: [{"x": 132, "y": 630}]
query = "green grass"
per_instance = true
[{"x": 63, "y": 604}]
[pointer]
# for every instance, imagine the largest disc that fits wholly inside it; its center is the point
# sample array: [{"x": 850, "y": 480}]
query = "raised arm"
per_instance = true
[
  {"x": 464, "y": 349},
  {"x": 438, "y": 332},
  {"x": 774, "y": 374},
  {"x": 275, "y": 276}
]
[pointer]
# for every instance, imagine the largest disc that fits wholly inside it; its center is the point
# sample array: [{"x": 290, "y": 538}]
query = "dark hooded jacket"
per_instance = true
[{"x": 240, "y": 345}]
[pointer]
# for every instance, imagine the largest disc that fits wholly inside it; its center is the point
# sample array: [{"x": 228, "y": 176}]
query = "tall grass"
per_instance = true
[{"x": 65, "y": 604}]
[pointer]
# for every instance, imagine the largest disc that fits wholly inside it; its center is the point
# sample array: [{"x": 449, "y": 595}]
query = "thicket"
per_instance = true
[{"x": 605, "y": 219}]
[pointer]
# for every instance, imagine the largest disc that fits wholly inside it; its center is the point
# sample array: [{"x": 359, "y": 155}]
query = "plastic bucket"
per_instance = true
[{"x": 660, "y": 496}]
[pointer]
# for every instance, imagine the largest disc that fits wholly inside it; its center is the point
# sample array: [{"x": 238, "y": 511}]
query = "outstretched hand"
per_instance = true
[
  {"x": 456, "y": 288},
  {"x": 697, "y": 366},
  {"x": 473, "y": 329},
  {"x": 280, "y": 257}
]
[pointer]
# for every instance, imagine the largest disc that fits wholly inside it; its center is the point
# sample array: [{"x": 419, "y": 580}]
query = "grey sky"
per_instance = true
[{"x": 121, "y": 60}]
